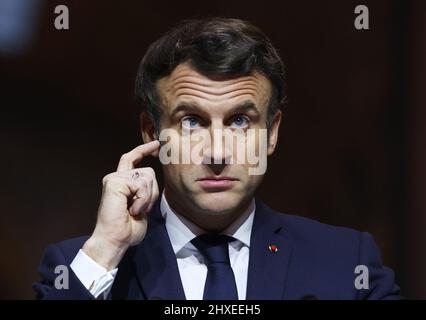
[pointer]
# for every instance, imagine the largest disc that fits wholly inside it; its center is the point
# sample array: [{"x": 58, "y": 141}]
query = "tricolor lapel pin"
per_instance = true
[{"x": 273, "y": 248}]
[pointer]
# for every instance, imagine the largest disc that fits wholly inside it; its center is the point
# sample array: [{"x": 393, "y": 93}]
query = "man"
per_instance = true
[{"x": 207, "y": 237}]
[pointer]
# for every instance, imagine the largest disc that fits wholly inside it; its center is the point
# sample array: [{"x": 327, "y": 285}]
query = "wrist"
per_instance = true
[{"x": 104, "y": 252}]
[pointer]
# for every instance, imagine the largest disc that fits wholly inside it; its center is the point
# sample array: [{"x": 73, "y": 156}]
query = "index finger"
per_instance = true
[{"x": 130, "y": 159}]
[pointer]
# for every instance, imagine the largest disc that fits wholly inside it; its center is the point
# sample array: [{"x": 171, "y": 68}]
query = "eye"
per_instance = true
[
  {"x": 240, "y": 122},
  {"x": 190, "y": 122}
]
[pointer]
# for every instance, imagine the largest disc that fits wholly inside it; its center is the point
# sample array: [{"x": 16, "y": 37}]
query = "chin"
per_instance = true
[{"x": 218, "y": 203}]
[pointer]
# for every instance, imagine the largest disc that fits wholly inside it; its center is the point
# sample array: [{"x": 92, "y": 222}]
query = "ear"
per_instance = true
[
  {"x": 148, "y": 131},
  {"x": 273, "y": 133}
]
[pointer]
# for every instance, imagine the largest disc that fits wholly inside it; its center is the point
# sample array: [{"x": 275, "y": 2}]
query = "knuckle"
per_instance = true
[
  {"x": 106, "y": 178},
  {"x": 111, "y": 180},
  {"x": 150, "y": 171},
  {"x": 124, "y": 157},
  {"x": 145, "y": 182},
  {"x": 156, "y": 194},
  {"x": 155, "y": 186},
  {"x": 148, "y": 179}
]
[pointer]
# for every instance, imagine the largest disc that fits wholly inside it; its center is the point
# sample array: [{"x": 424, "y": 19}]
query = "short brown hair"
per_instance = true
[{"x": 214, "y": 47}]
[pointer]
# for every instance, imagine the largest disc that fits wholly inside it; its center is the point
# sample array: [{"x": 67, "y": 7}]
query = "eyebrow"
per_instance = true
[
  {"x": 245, "y": 106},
  {"x": 242, "y": 107},
  {"x": 187, "y": 107}
]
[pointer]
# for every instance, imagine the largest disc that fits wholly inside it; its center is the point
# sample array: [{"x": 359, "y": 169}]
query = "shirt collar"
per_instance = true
[{"x": 181, "y": 231}]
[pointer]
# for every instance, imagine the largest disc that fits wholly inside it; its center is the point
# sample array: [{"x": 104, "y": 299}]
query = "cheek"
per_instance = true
[
  {"x": 173, "y": 177},
  {"x": 250, "y": 149},
  {"x": 250, "y": 183},
  {"x": 179, "y": 175},
  {"x": 257, "y": 138}
]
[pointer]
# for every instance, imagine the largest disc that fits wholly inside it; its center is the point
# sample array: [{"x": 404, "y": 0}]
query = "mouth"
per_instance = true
[{"x": 216, "y": 183}]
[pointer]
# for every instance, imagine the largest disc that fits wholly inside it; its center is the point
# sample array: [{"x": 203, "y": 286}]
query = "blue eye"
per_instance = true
[
  {"x": 190, "y": 122},
  {"x": 240, "y": 122}
]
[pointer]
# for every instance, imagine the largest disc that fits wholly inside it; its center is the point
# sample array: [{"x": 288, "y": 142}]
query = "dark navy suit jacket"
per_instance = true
[{"x": 313, "y": 261}]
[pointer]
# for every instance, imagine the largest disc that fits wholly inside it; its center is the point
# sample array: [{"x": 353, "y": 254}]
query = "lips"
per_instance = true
[{"x": 217, "y": 182}]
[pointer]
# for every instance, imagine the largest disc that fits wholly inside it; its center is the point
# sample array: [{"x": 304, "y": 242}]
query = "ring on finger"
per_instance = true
[{"x": 135, "y": 175}]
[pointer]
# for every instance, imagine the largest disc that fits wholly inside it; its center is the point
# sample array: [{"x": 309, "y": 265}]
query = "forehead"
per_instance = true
[{"x": 185, "y": 84}]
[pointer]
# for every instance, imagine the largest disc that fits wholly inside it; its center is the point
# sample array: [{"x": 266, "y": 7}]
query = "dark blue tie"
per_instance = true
[{"x": 220, "y": 282}]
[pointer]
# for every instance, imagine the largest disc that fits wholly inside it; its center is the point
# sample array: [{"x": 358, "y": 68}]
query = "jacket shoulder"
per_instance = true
[
  {"x": 329, "y": 256},
  {"x": 308, "y": 229}
]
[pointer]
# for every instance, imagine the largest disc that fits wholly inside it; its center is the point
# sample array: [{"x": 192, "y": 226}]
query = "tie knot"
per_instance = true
[{"x": 213, "y": 247}]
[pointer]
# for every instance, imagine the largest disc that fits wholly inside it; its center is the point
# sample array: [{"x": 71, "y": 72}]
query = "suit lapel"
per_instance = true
[
  {"x": 267, "y": 272},
  {"x": 155, "y": 262},
  {"x": 155, "y": 265}
]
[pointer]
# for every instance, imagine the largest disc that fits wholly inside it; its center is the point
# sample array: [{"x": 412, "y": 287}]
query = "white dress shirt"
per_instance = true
[{"x": 192, "y": 268}]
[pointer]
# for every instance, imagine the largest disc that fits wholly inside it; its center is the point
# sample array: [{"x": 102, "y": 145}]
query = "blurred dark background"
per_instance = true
[{"x": 351, "y": 148}]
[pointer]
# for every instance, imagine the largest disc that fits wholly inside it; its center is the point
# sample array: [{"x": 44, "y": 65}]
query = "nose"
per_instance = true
[{"x": 218, "y": 153}]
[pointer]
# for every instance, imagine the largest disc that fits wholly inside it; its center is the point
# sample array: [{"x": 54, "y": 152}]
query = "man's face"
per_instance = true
[{"x": 193, "y": 103}]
